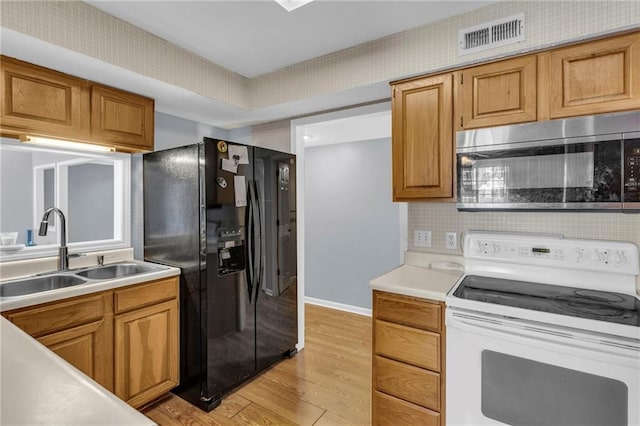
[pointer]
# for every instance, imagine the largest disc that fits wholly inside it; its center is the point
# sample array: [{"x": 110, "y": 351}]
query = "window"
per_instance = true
[{"x": 91, "y": 189}]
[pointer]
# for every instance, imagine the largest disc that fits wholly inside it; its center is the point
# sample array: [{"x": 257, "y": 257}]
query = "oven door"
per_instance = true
[
  {"x": 506, "y": 371},
  {"x": 571, "y": 173}
]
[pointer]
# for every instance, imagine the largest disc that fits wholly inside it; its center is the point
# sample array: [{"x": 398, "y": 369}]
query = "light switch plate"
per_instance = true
[
  {"x": 422, "y": 238},
  {"x": 451, "y": 240}
]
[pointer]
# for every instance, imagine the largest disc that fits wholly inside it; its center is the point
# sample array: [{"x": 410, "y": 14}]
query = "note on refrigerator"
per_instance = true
[
  {"x": 239, "y": 154},
  {"x": 240, "y": 188},
  {"x": 229, "y": 166}
]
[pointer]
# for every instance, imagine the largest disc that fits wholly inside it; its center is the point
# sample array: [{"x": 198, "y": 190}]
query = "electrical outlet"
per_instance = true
[
  {"x": 451, "y": 240},
  {"x": 422, "y": 238}
]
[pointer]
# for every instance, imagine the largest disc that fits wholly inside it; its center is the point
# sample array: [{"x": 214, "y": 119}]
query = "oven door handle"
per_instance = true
[{"x": 542, "y": 337}]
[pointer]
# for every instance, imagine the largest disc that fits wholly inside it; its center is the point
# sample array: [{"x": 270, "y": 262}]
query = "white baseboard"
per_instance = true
[{"x": 339, "y": 306}]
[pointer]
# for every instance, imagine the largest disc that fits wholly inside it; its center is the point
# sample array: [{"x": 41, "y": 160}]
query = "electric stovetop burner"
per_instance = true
[{"x": 591, "y": 304}]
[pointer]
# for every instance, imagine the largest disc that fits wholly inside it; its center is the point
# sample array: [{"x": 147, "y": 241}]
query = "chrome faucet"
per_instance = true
[{"x": 63, "y": 252}]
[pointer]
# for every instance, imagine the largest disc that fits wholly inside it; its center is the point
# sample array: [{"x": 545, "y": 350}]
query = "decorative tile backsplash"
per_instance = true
[{"x": 440, "y": 218}]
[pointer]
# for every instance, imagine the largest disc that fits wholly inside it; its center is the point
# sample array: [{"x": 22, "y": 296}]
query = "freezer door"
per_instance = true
[{"x": 276, "y": 306}]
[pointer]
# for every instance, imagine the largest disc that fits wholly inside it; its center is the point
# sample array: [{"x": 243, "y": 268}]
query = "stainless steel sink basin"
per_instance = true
[
  {"x": 38, "y": 284},
  {"x": 109, "y": 272}
]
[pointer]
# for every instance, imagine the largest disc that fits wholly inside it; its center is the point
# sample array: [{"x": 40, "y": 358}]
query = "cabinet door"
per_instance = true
[
  {"x": 88, "y": 348},
  {"x": 146, "y": 352},
  {"x": 41, "y": 101},
  {"x": 499, "y": 93},
  {"x": 422, "y": 138},
  {"x": 122, "y": 119},
  {"x": 595, "y": 77}
]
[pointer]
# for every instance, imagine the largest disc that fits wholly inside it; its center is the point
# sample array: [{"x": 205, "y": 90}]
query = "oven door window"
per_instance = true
[
  {"x": 588, "y": 172},
  {"x": 518, "y": 391}
]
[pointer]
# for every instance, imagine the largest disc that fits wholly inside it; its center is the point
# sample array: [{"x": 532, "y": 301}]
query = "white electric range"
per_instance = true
[{"x": 543, "y": 330}]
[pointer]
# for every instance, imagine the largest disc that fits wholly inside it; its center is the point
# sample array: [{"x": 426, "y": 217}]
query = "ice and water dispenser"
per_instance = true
[{"x": 231, "y": 250}]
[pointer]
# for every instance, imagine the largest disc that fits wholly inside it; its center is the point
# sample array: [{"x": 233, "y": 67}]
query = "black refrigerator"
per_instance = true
[{"x": 224, "y": 213}]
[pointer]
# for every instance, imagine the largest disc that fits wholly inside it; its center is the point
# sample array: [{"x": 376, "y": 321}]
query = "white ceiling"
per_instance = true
[{"x": 259, "y": 36}]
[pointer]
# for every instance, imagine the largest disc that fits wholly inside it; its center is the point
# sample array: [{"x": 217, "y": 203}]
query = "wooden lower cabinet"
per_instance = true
[
  {"x": 408, "y": 374},
  {"x": 126, "y": 339},
  {"x": 86, "y": 347},
  {"x": 146, "y": 352}
]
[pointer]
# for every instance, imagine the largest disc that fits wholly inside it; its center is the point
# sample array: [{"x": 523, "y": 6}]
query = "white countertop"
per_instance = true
[
  {"x": 38, "y": 387},
  {"x": 418, "y": 278}
]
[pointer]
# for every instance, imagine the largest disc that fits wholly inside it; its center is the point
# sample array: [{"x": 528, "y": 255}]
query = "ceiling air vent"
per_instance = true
[{"x": 491, "y": 34}]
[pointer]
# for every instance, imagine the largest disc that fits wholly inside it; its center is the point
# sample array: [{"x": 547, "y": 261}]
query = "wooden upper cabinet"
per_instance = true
[
  {"x": 422, "y": 138},
  {"x": 499, "y": 93},
  {"x": 121, "y": 118},
  {"x": 593, "y": 78},
  {"x": 42, "y": 101}
]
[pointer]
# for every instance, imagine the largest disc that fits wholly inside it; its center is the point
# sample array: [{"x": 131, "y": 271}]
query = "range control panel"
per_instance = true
[{"x": 611, "y": 256}]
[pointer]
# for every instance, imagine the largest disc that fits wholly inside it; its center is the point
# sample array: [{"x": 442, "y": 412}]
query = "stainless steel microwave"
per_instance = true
[{"x": 584, "y": 163}]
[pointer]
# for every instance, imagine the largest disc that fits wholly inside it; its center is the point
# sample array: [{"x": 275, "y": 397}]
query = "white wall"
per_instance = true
[{"x": 352, "y": 229}]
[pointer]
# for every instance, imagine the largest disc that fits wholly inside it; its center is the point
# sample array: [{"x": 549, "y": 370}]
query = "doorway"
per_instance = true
[{"x": 349, "y": 230}]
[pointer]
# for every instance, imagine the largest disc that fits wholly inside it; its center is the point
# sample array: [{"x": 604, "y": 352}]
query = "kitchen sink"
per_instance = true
[
  {"x": 38, "y": 284},
  {"x": 119, "y": 270}
]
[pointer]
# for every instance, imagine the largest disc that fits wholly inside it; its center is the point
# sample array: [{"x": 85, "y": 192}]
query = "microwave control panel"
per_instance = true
[{"x": 632, "y": 171}]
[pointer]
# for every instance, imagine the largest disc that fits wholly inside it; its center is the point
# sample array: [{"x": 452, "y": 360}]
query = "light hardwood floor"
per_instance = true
[{"x": 326, "y": 384}]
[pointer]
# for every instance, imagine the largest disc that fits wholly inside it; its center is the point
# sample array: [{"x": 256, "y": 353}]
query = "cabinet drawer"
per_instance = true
[
  {"x": 409, "y": 311},
  {"x": 404, "y": 381},
  {"x": 388, "y": 410},
  {"x": 145, "y": 294},
  {"x": 60, "y": 315},
  {"x": 417, "y": 347}
]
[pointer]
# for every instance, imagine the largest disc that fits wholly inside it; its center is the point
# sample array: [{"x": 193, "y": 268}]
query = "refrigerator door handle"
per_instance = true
[
  {"x": 258, "y": 224},
  {"x": 249, "y": 229}
]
